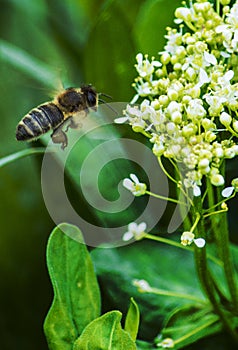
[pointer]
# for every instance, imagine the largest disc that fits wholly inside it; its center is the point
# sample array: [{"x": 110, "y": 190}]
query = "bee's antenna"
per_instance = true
[
  {"x": 102, "y": 94},
  {"x": 108, "y": 105}
]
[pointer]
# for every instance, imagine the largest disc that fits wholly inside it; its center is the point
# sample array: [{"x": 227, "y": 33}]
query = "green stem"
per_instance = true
[
  {"x": 227, "y": 260},
  {"x": 179, "y": 245},
  {"x": 165, "y": 171},
  {"x": 165, "y": 198},
  {"x": 206, "y": 279},
  {"x": 26, "y": 152},
  {"x": 176, "y": 295},
  {"x": 208, "y": 286}
]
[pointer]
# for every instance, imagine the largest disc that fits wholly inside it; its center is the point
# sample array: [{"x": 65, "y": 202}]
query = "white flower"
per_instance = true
[
  {"x": 137, "y": 188},
  {"x": 144, "y": 67},
  {"x": 142, "y": 285},
  {"x": 167, "y": 343},
  {"x": 135, "y": 231},
  {"x": 188, "y": 238}
]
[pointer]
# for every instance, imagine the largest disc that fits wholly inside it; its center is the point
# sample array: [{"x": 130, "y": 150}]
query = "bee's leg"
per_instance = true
[
  {"x": 59, "y": 136},
  {"x": 74, "y": 122}
]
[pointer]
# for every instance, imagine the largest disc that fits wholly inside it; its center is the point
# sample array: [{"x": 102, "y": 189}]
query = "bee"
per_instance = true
[{"x": 54, "y": 114}]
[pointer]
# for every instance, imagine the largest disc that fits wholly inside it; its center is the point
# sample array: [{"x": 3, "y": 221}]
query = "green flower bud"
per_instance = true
[{"x": 224, "y": 2}]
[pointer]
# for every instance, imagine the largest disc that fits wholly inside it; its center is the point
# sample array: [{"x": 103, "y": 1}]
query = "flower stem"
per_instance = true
[
  {"x": 227, "y": 260},
  {"x": 206, "y": 279},
  {"x": 165, "y": 198},
  {"x": 179, "y": 245}
]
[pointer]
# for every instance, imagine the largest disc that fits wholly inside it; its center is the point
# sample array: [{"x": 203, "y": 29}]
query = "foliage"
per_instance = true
[
  {"x": 45, "y": 44},
  {"x": 73, "y": 320}
]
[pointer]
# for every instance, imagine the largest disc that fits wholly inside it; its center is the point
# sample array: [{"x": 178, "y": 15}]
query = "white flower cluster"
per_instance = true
[{"x": 189, "y": 107}]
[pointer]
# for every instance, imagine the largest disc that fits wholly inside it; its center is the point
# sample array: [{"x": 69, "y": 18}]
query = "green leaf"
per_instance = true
[
  {"x": 188, "y": 324},
  {"x": 165, "y": 267},
  {"x": 132, "y": 319},
  {"x": 76, "y": 294},
  {"x": 105, "y": 333}
]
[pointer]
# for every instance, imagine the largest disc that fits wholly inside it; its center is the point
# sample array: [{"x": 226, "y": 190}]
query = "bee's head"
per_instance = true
[{"x": 91, "y": 96}]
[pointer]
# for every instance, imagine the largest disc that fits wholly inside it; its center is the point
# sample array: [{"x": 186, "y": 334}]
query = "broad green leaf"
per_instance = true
[
  {"x": 105, "y": 333},
  {"x": 132, "y": 319},
  {"x": 76, "y": 294},
  {"x": 165, "y": 267},
  {"x": 188, "y": 324}
]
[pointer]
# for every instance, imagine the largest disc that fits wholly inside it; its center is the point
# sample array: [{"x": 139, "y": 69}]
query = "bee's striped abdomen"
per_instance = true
[{"x": 38, "y": 121}]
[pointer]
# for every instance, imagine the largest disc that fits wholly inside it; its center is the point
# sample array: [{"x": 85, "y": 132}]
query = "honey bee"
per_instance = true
[{"x": 54, "y": 114}]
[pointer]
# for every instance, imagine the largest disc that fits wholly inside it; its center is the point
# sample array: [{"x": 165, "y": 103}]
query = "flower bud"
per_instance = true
[
  {"x": 171, "y": 127},
  {"x": 235, "y": 125},
  {"x": 183, "y": 13},
  {"x": 217, "y": 180},
  {"x": 176, "y": 117},
  {"x": 225, "y": 119},
  {"x": 203, "y": 163},
  {"x": 163, "y": 99},
  {"x": 165, "y": 58},
  {"x": 224, "y": 2},
  {"x": 172, "y": 94}
]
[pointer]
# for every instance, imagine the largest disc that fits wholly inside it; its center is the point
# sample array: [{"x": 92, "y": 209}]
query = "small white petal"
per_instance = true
[
  {"x": 132, "y": 227},
  {"x": 178, "y": 21},
  {"x": 139, "y": 58},
  {"x": 141, "y": 227},
  {"x": 156, "y": 64},
  {"x": 203, "y": 77},
  {"x": 120, "y": 120},
  {"x": 225, "y": 54},
  {"x": 227, "y": 192},
  {"x": 196, "y": 191},
  {"x": 229, "y": 75},
  {"x": 200, "y": 242},
  {"x": 135, "y": 98},
  {"x": 128, "y": 184},
  {"x": 127, "y": 236},
  {"x": 221, "y": 28},
  {"x": 134, "y": 178},
  {"x": 210, "y": 58}
]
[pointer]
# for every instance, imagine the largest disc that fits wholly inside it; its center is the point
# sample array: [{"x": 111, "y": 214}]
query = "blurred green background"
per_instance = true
[{"x": 43, "y": 42}]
